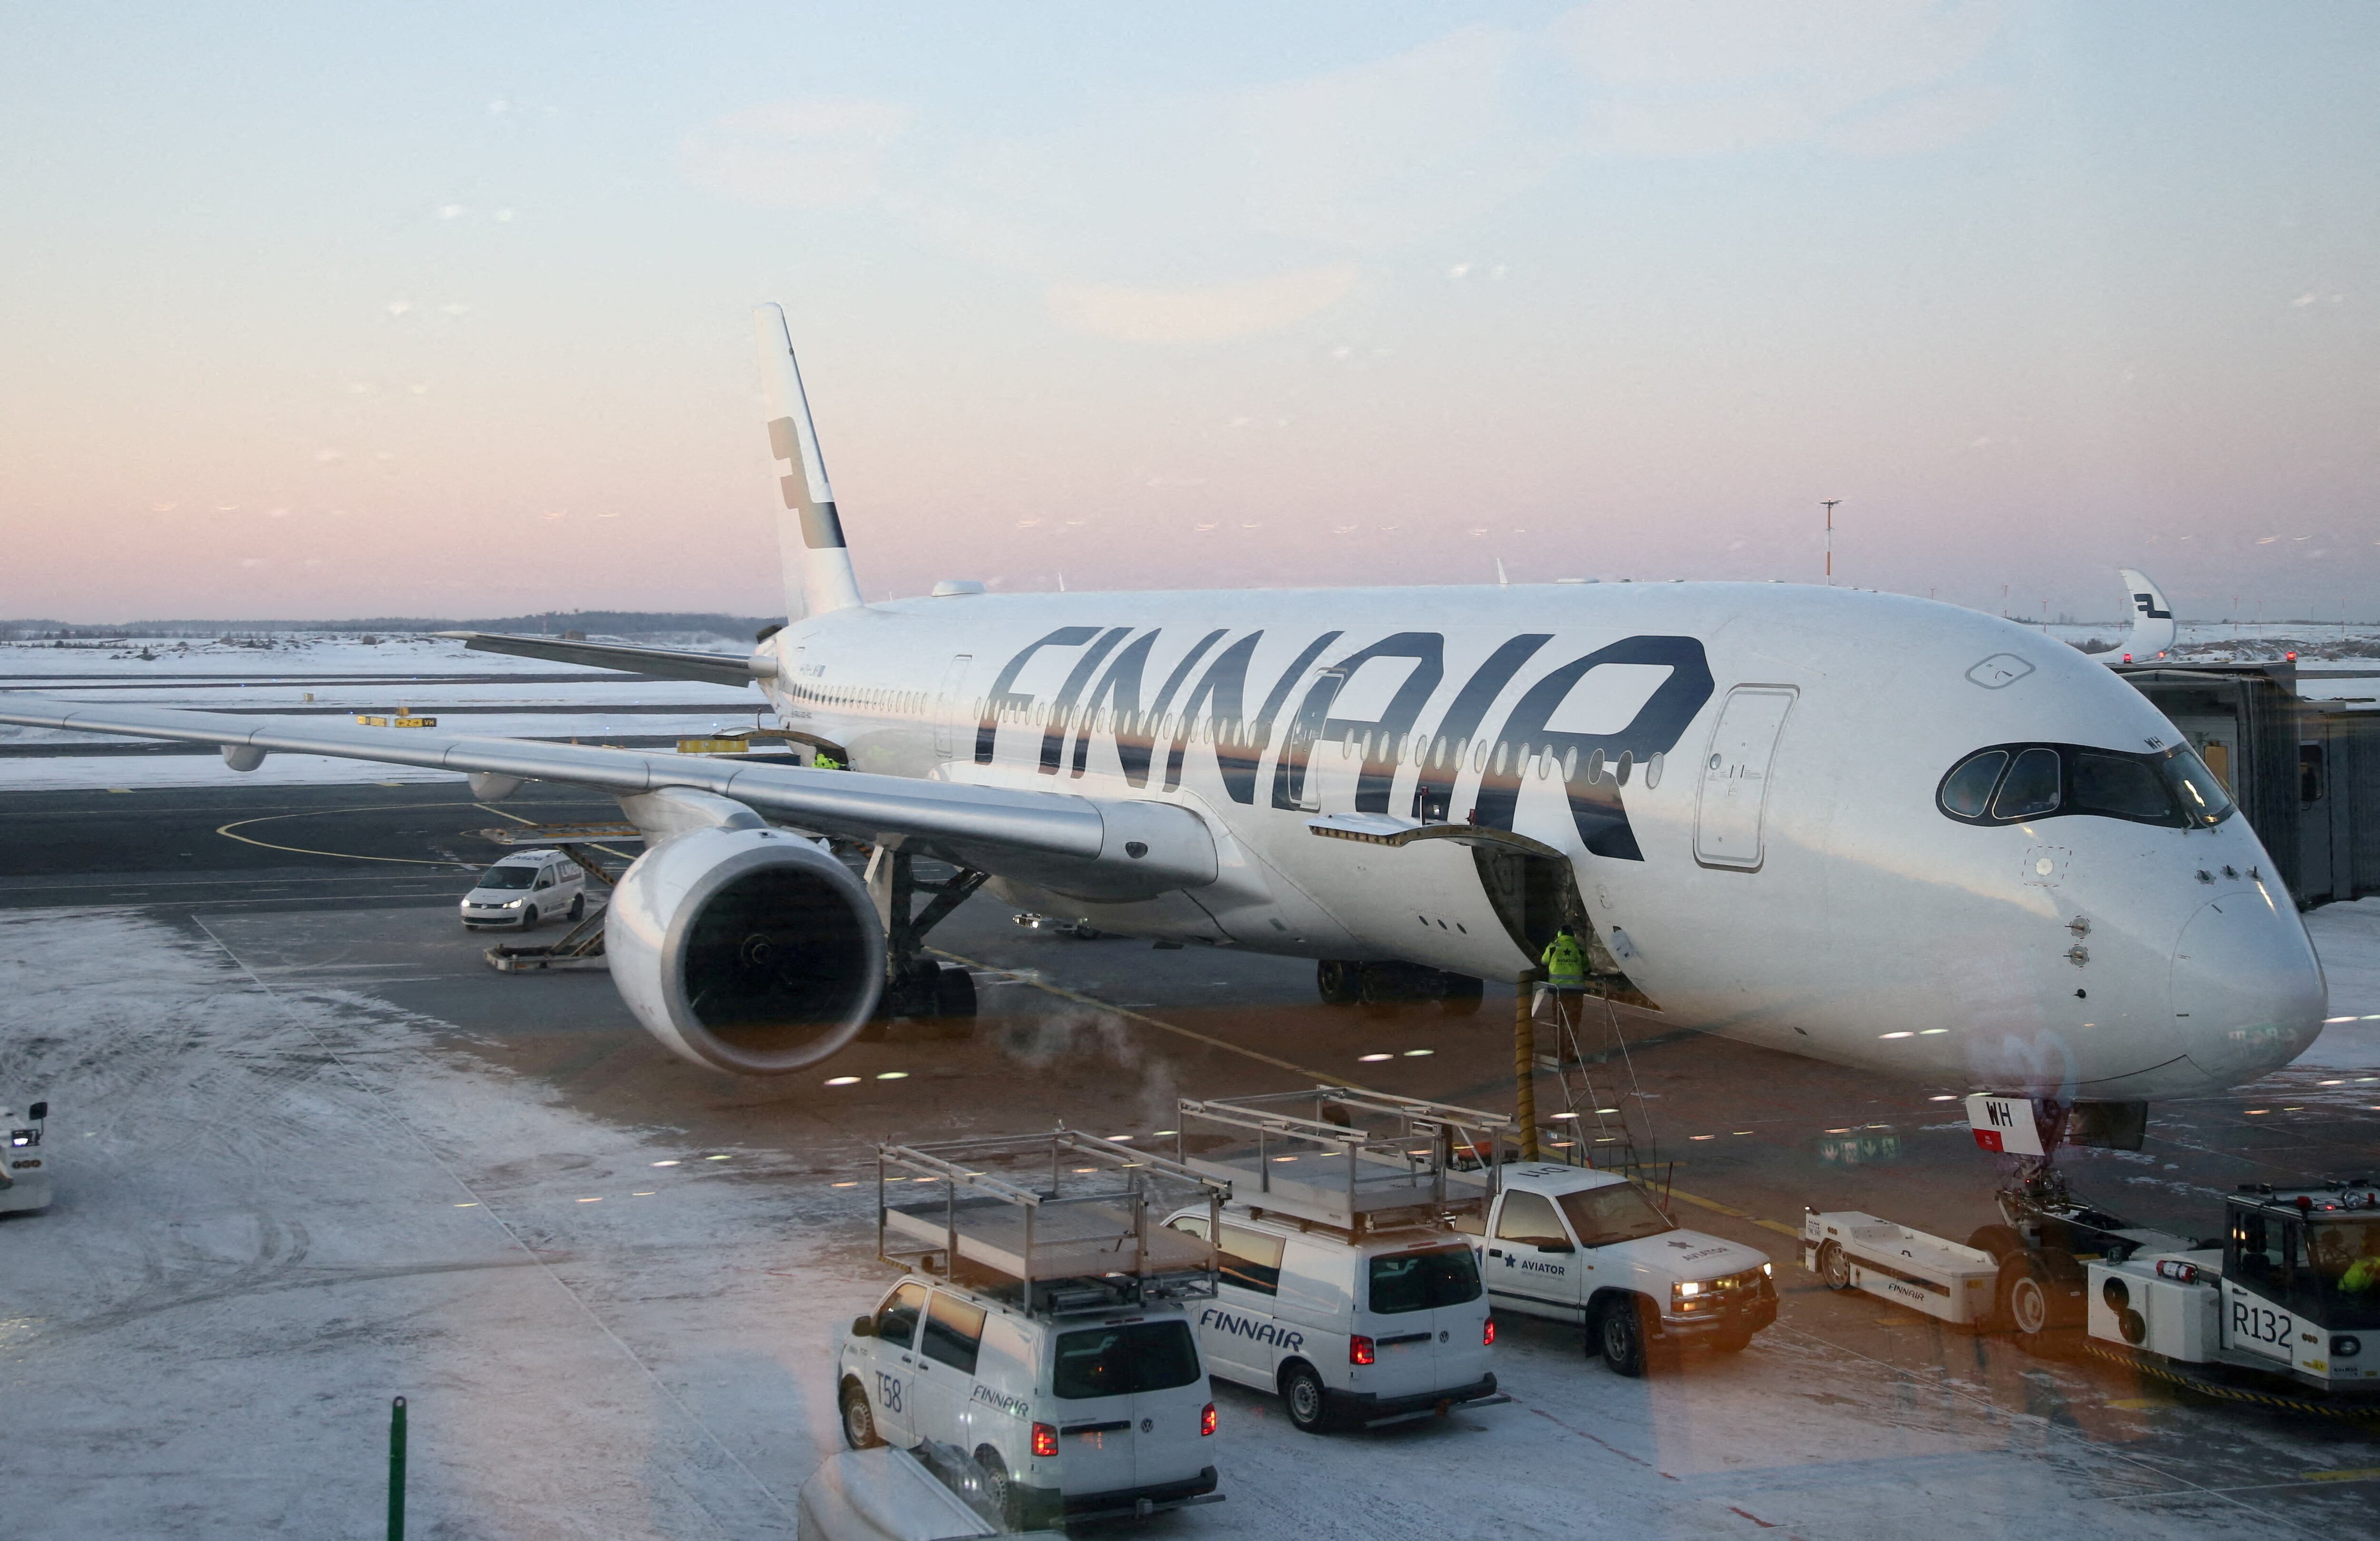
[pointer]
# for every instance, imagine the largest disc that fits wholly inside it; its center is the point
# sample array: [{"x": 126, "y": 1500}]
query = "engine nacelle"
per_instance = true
[{"x": 746, "y": 950}]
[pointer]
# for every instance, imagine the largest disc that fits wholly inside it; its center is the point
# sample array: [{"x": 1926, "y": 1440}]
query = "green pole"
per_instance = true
[{"x": 396, "y": 1470}]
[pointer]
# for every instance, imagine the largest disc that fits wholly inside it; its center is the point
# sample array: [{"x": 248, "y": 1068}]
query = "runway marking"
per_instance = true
[{"x": 226, "y": 830}]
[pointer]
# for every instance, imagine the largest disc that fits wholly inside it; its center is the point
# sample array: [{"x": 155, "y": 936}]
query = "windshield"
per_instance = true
[
  {"x": 507, "y": 877},
  {"x": 2203, "y": 801},
  {"x": 2345, "y": 1257},
  {"x": 1112, "y": 1361},
  {"x": 1617, "y": 1212},
  {"x": 1422, "y": 1281}
]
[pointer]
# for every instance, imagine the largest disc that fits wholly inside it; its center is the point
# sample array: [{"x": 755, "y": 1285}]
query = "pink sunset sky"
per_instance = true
[{"x": 320, "y": 313}]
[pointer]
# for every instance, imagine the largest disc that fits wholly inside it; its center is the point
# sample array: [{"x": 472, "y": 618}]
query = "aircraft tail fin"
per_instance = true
[
  {"x": 818, "y": 576},
  {"x": 2151, "y": 633}
]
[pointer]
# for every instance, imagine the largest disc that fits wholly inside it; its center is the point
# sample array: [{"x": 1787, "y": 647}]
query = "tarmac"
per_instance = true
[{"x": 312, "y": 1154}]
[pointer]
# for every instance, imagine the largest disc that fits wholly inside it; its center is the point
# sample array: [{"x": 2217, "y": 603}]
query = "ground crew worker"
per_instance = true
[
  {"x": 824, "y": 760},
  {"x": 1564, "y": 966},
  {"x": 1565, "y": 963}
]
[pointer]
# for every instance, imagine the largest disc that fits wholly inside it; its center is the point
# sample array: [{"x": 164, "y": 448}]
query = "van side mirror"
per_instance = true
[
  {"x": 864, "y": 1327},
  {"x": 38, "y": 1111}
]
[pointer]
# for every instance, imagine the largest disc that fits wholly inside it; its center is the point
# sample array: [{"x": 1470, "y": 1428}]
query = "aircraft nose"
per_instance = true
[{"x": 2248, "y": 992}]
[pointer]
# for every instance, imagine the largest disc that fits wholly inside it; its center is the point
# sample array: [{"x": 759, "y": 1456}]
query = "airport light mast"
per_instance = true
[{"x": 1830, "y": 539}]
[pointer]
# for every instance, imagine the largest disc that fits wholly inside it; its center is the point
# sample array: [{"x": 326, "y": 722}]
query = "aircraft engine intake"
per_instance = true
[{"x": 746, "y": 950}]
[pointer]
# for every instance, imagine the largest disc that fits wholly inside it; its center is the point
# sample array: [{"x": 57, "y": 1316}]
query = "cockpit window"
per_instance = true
[
  {"x": 2119, "y": 786},
  {"x": 2030, "y": 789},
  {"x": 2006, "y": 783},
  {"x": 1967, "y": 790},
  {"x": 2203, "y": 801}
]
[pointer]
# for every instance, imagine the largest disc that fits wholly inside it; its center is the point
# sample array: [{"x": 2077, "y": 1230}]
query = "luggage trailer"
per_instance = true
[{"x": 2290, "y": 1288}]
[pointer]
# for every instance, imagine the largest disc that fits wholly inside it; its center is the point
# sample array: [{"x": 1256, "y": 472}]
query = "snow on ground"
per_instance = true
[
  {"x": 2346, "y": 938},
  {"x": 283, "y": 1201}
]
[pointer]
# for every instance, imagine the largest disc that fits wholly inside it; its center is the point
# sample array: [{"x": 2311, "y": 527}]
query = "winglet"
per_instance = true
[{"x": 818, "y": 576}]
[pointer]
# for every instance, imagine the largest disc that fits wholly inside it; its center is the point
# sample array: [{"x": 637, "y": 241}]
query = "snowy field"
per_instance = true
[{"x": 468, "y": 692}]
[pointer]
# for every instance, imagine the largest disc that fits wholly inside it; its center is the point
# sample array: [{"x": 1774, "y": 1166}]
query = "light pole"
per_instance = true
[{"x": 1830, "y": 539}]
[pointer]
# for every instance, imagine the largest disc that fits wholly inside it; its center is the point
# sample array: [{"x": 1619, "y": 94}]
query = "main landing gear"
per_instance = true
[
  {"x": 1385, "y": 985},
  {"x": 916, "y": 987}
]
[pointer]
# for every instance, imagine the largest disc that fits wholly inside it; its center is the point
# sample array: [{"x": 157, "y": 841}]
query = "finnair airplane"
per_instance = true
[{"x": 1876, "y": 830}]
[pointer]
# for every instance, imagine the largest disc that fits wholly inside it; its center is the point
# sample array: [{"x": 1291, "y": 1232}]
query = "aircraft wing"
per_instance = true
[
  {"x": 1094, "y": 848},
  {"x": 668, "y": 663}
]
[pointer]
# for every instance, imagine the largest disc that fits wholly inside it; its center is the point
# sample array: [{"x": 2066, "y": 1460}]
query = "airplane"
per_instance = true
[
  {"x": 1877, "y": 830},
  {"x": 2150, "y": 635}
]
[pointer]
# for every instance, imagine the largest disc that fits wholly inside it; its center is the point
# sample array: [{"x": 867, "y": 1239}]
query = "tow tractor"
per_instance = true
[
  {"x": 24, "y": 1172},
  {"x": 2290, "y": 1287}
]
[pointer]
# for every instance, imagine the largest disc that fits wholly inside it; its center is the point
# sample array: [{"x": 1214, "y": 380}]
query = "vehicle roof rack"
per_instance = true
[
  {"x": 1362, "y": 1160},
  {"x": 1054, "y": 1223}
]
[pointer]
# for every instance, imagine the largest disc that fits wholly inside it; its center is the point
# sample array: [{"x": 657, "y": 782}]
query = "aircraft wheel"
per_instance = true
[
  {"x": 1999, "y": 1241},
  {"x": 1463, "y": 996},
  {"x": 1336, "y": 981},
  {"x": 955, "y": 1002}
]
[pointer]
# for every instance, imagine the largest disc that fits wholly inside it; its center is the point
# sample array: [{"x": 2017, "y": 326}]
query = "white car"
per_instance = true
[
  {"x": 1067, "y": 1415},
  {"x": 1574, "y": 1244},
  {"x": 1349, "y": 1330},
  {"x": 525, "y": 888}
]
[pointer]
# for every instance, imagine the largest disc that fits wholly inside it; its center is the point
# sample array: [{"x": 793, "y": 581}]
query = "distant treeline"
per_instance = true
[{"x": 613, "y": 623}]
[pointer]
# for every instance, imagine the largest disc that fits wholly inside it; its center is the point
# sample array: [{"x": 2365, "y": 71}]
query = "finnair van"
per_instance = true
[
  {"x": 1068, "y": 1416},
  {"x": 1349, "y": 1331}
]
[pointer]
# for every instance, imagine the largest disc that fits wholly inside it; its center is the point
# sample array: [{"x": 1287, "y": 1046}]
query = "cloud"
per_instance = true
[
  {"x": 1730, "y": 75},
  {"x": 1206, "y": 313},
  {"x": 816, "y": 154}
]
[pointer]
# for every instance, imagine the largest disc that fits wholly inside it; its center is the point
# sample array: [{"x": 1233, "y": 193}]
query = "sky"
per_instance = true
[{"x": 444, "y": 309}]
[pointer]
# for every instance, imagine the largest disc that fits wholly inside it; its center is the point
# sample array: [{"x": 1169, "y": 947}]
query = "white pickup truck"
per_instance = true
[{"x": 1576, "y": 1245}]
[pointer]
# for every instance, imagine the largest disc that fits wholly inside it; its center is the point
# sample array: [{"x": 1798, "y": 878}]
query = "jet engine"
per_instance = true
[{"x": 746, "y": 950}]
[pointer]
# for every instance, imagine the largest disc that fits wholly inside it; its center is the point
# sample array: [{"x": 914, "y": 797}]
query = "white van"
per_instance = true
[
  {"x": 525, "y": 888},
  {"x": 1067, "y": 1415},
  {"x": 1351, "y": 1331},
  {"x": 1576, "y": 1245}
]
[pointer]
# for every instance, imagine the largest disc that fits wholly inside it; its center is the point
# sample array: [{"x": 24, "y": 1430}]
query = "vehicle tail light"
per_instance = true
[
  {"x": 1488, "y": 1333},
  {"x": 1359, "y": 1350},
  {"x": 1045, "y": 1440},
  {"x": 1207, "y": 1421}
]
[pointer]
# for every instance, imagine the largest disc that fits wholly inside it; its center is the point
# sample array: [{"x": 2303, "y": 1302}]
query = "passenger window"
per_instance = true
[
  {"x": 2032, "y": 788},
  {"x": 1192, "y": 1225},
  {"x": 1471, "y": 1222},
  {"x": 1251, "y": 1259},
  {"x": 545, "y": 880},
  {"x": 1117, "y": 1361},
  {"x": 896, "y": 1319},
  {"x": 2120, "y": 786},
  {"x": 1967, "y": 790},
  {"x": 1530, "y": 1218},
  {"x": 953, "y": 1328}
]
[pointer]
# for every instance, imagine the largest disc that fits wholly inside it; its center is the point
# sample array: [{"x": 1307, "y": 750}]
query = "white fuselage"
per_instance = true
[{"x": 1743, "y": 778}]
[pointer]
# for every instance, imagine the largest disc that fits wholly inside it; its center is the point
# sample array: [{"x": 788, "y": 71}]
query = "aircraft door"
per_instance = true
[
  {"x": 949, "y": 701},
  {"x": 1734, "y": 799}
]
